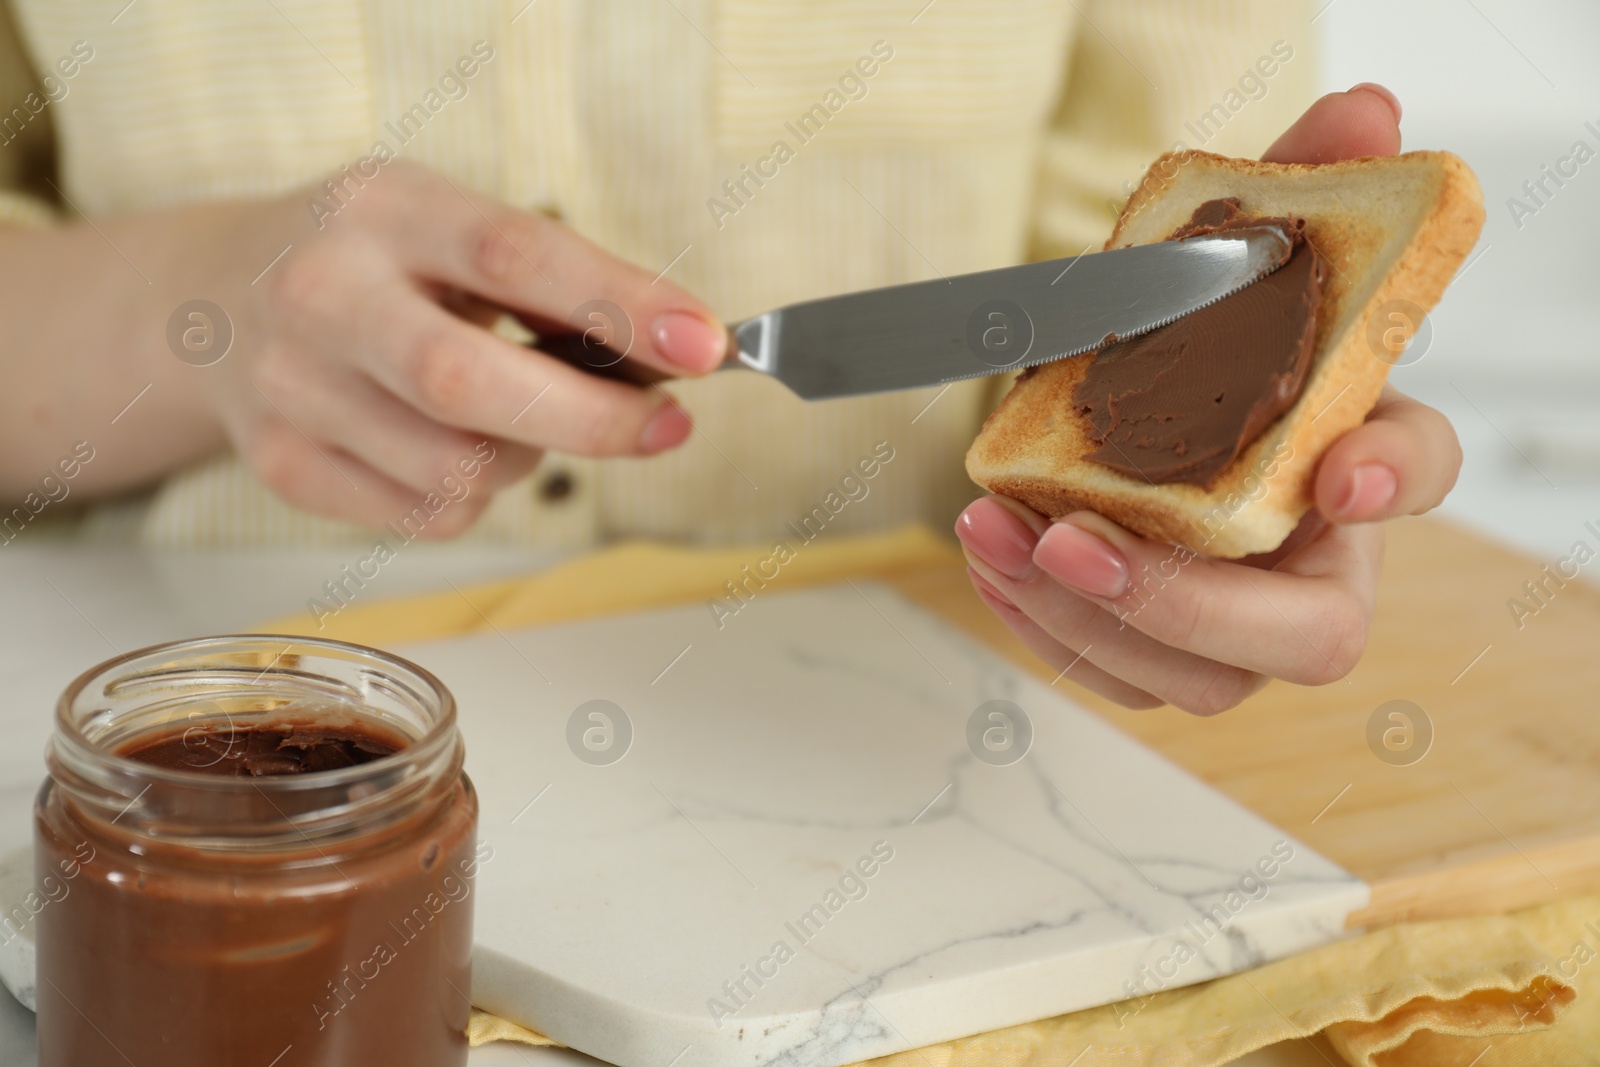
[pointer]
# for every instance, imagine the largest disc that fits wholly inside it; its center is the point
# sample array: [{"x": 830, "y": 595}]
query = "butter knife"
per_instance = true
[
  {"x": 929, "y": 333},
  {"x": 933, "y": 332}
]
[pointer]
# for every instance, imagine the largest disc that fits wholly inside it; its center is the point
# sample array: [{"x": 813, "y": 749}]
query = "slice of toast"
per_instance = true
[{"x": 1393, "y": 230}]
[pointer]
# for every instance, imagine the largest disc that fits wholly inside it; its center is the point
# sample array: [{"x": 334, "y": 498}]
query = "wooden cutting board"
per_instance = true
[{"x": 1502, "y": 812}]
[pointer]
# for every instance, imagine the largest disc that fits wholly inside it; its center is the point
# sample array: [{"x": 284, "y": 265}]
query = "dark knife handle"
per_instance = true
[{"x": 602, "y": 362}]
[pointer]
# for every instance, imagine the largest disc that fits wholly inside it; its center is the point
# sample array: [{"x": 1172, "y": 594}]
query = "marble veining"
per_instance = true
[{"x": 702, "y": 900}]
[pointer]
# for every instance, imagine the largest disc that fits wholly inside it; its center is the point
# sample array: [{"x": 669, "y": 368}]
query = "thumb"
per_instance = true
[{"x": 1365, "y": 121}]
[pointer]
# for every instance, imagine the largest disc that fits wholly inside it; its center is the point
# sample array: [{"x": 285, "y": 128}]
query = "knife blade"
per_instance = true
[{"x": 933, "y": 332}]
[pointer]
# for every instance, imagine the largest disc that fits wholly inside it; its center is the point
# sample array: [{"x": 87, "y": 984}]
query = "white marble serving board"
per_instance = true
[{"x": 635, "y": 909}]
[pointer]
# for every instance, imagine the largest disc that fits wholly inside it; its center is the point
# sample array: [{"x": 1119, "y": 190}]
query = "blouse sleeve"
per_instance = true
[{"x": 27, "y": 138}]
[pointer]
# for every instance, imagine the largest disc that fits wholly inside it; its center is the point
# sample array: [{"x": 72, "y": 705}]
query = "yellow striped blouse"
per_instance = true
[{"x": 759, "y": 153}]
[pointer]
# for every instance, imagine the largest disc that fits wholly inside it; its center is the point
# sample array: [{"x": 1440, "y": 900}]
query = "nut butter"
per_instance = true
[{"x": 274, "y": 846}]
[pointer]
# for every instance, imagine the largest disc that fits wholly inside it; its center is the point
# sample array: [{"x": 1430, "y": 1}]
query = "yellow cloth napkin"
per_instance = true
[
  {"x": 634, "y": 576},
  {"x": 1485, "y": 991}
]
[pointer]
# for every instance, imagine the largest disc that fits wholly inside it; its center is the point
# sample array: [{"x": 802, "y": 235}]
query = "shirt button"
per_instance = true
[{"x": 555, "y": 487}]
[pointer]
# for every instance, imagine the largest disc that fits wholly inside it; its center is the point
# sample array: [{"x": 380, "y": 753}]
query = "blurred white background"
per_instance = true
[{"x": 1508, "y": 85}]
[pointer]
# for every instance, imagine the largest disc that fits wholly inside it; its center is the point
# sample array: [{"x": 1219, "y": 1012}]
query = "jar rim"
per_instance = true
[{"x": 440, "y": 733}]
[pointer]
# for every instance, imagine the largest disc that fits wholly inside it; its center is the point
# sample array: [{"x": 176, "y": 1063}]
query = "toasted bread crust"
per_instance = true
[{"x": 1392, "y": 229}]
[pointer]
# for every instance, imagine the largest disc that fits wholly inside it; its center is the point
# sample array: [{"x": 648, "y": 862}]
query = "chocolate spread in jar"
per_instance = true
[
  {"x": 1178, "y": 404},
  {"x": 264, "y": 750},
  {"x": 337, "y": 950}
]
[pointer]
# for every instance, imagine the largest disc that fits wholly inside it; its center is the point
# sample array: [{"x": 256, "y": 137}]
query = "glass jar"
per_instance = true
[{"x": 255, "y": 917}]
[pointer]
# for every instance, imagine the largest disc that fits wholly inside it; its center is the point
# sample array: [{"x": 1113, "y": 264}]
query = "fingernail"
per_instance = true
[
  {"x": 986, "y": 587},
  {"x": 688, "y": 340},
  {"x": 667, "y": 428},
  {"x": 997, "y": 537},
  {"x": 1372, "y": 487},
  {"x": 1378, "y": 90},
  {"x": 1076, "y": 557}
]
